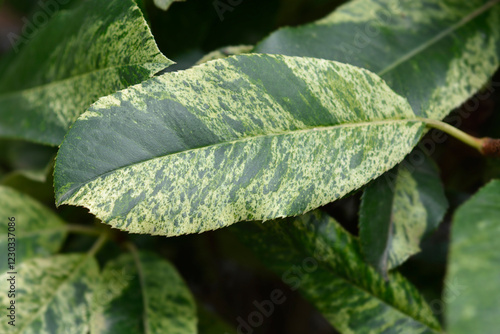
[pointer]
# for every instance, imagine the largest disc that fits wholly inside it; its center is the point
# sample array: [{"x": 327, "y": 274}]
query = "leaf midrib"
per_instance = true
[
  {"x": 142, "y": 282},
  {"x": 349, "y": 281},
  {"x": 76, "y": 77},
  {"x": 76, "y": 268},
  {"x": 62, "y": 199},
  {"x": 484, "y": 8}
]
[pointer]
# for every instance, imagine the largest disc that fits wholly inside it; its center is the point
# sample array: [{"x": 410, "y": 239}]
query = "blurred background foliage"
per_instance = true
[{"x": 224, "y": 276}]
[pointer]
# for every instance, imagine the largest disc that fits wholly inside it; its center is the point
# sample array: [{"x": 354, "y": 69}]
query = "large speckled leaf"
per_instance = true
[
  {"x": 38, "y": 231},
  {"x": 315, "y": 255},
  {"x": 80, "y": 55},
  {"x": 473, "y": 278},
  {"x": 52, "y": 295},
  {"x": 246, "y": 137},
  {"x": 398, "y": 210},
  {"x": 436, "y": 53},
  {"x": 142, "y": 293}
]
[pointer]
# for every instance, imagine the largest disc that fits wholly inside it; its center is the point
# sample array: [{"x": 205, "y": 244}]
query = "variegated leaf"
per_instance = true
[
  {"x": 251, "y": 137},
  {"x": 142, "y": 293},
  {"x": 39, "y": 232},
  {"x": 316, "y": 256},
  {"x": 473, "y": 278},
  {"x": 52, "y": 295},
  {"x": 398, "y": 210},
  {"x": 81, "y": 54},
  {"x": 436, "y": 53}
]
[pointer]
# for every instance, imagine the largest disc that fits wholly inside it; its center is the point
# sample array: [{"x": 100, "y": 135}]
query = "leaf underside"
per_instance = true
[{"x": 251, "y": 137}]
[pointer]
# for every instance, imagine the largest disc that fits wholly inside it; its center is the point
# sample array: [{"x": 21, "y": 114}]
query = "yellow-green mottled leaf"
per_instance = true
[
  {"x": 81, "y": 54},
  {"x": 250, "y": 137},
  {"x": 436, "y": 53},
  {"x": 142, "y": 293},
  {"x": 473, "y": 278},
  {"x": 39, "y": 232},
  {"x": 398, "y": 210},
  {"x": 165, "y": 4},
  {"x": 52, "y": 295},
  {"x": 316, "y": 256}
]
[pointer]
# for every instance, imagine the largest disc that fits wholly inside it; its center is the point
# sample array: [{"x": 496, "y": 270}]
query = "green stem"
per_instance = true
[
  {"x": 135, "y": 254},
  {"x": 454, "y": 132},
  {"x": 98, "y": 244},
  {"x": 81, "y": 229}
]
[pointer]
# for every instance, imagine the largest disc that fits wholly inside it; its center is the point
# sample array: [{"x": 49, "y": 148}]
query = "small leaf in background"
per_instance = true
[
  {"x": 315, "y": 255},
  {"x": 142, "y": 293},
  {"x": 398, "y": 210},
  {"x": 165, "y": 4},
  {"x": 30, "y": 160},
  {"x": 225, "y": 52},
  {"x": 473, "y": 278},
  {"x": 81, "y": 54},
  {"x": 435, "y": 53},
  {"x": 39, "y": 232},
  {"x": 52, "y": 295},
  {"x": 250, "y": 137}
]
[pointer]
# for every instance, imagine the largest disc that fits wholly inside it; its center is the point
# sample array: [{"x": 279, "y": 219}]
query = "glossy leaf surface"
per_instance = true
[
  {"x": 81, "y": 54},
  {"x": 315, "y": 255},
  {"x": 251, "y": 137}
]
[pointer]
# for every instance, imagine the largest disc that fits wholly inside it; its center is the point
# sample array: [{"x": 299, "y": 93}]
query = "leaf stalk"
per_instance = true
[{"x": 486, "y": 146}]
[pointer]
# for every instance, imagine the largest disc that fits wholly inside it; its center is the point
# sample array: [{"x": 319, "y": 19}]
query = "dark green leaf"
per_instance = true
[
  {"x": 315, "y": 255},
  {"x": 398, "y": 210},
  {"x": 436, "y": 53}
]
